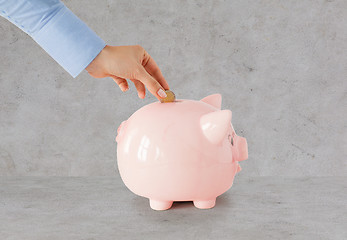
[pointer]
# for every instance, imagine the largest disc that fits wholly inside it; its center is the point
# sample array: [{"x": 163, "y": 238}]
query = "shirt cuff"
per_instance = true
[{"x": 69, "y": 41}]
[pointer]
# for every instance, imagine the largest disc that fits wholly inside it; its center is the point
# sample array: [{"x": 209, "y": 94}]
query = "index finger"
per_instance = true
[{"x": 152, "y": 68}]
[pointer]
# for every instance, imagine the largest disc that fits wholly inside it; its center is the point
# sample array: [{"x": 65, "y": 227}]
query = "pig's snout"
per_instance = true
[{"x": 241, "y": 148}]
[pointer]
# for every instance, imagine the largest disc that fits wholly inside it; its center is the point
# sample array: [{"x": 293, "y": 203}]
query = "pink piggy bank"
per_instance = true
[{"x": 180, "y": 151}]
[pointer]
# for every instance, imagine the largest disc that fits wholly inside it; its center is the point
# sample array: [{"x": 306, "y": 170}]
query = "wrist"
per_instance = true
[{"x": 95, "y": 64}]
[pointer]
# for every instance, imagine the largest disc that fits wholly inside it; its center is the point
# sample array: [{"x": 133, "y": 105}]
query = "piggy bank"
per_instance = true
[{"x": 185, "y": 150}]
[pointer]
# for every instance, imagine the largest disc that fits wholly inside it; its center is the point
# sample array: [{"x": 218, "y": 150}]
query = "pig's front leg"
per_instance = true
[{"x": 205, "y": 204}]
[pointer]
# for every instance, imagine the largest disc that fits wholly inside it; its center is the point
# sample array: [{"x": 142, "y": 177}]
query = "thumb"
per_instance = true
[{"x": 152, "y": 85}]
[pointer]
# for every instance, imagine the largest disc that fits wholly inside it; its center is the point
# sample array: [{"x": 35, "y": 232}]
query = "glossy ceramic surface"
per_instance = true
[{"x": 186, "y": 150}]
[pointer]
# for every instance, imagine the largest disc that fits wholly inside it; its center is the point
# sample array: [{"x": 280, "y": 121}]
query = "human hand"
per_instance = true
[{"x": 129, "y": 62}]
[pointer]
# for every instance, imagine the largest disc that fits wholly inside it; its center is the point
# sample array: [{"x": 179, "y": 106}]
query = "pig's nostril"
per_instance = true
[{"x": 231, "y": 140}]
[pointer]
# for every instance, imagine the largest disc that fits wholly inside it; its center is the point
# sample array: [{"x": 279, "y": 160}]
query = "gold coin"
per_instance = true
[{"x": 169, "y": 98}]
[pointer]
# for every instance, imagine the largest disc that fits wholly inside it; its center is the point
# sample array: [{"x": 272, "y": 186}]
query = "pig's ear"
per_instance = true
[
  {"x": 214, "y": 100},
  {"x": 215, "y": 125}
]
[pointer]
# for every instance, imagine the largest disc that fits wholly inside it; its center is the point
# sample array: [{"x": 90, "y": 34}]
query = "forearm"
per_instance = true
[{"x": 57, "y": 30}]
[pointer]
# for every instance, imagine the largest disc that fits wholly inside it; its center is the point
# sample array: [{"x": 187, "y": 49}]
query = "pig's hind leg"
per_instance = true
[{"x": 160, "y": 205}]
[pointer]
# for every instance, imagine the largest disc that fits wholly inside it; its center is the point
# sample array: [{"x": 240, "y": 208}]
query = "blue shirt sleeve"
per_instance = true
[{"x": 57, "y": 30}]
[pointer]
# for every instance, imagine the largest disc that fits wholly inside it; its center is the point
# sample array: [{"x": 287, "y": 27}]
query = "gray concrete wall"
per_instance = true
[{"x": 281, "y": 67}]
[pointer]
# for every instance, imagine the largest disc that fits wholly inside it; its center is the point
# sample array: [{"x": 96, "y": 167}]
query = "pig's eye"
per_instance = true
[{"x": 231, "y": 140}]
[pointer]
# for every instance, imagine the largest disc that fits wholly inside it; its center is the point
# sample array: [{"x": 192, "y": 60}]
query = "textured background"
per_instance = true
[{"x": 281, "y": 67}]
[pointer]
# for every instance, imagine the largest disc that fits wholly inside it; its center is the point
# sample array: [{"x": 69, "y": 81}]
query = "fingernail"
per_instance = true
[{"x": 161, "y": 93}]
